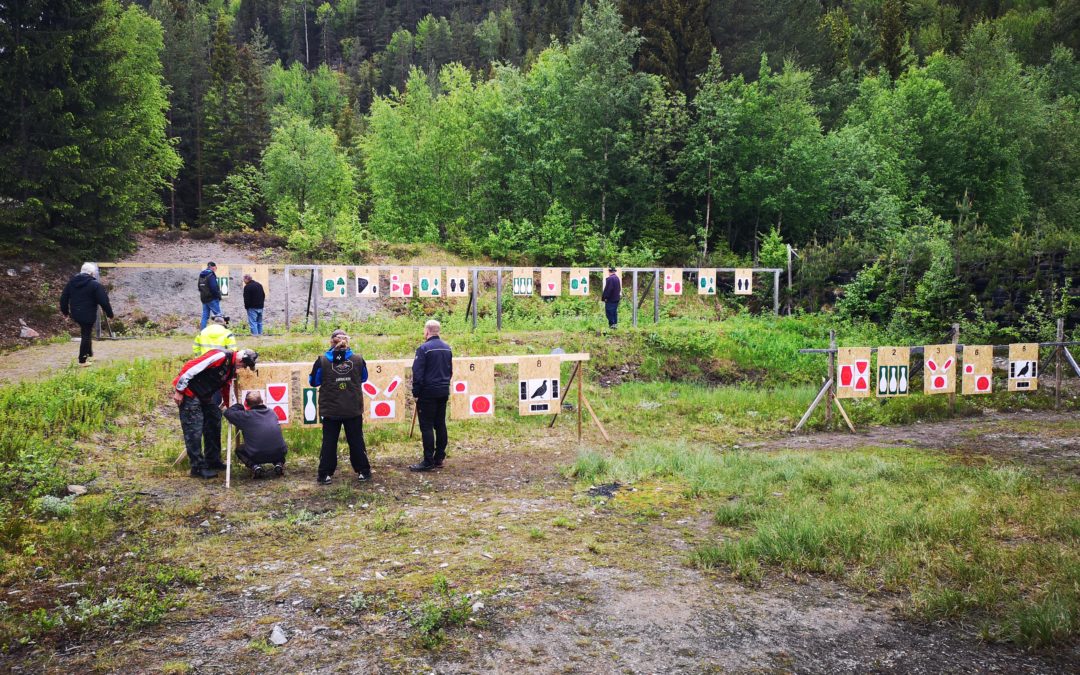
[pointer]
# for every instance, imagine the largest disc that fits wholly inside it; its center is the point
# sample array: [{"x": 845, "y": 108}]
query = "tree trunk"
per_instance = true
[{"x": 307, "y": 53}]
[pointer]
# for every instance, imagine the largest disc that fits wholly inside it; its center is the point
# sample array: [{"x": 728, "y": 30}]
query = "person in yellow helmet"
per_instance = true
[{"x": 216, "y": 335}]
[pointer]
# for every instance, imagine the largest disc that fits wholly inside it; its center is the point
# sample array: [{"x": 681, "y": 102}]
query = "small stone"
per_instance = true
[
  {"x": 277, "y": 636},
  {"x": 380, "y": 575},
  {"x": 11, "y": 272},
  {"x": 487, "y": 555},
  {"x": 28, "y": 333},
  {"x": 445, "y": 565},
  {"x": 77, "y": 490},
  {"x": 205, "y": 523},
  {"x": 477, "y": 606}
]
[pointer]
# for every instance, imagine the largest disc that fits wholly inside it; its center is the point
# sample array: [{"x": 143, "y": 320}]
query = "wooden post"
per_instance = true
[
  {"x": 316, "y": 282},
  {"x": 498, "y": 299},
  {"x": 566, "y": 390},
  {"x": 817, "y": 400},
  {"x": 228, "y": 455},
  {"x": 952, "y": 396},
  {"x": 475, "y": 297},
  {"x": 580, "y": 400},
  {"x": 288, "y": 275},
  {"x": 656, "y": 297},
  {"x": 634, "y": 304},
  {"x": 832, "y": 379},
  {"x": 1057, "y": 363},
  {"x": 776, "y": 293}
]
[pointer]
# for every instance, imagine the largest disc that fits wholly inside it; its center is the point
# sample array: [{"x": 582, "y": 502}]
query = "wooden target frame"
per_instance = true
[{"x": 472, "y": 389}]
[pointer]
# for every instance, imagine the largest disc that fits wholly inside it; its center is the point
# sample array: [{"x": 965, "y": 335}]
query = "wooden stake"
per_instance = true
[
  {"x": 412, "y": 426},
  {"x": 1072, "y": 361},
  {"x": 580, "y": 401},
  {"x": 228, "y": 456},
  {"x": 843, "y": 413},
  {"x": 817, "y": 400},
  {"x": 594, "y": 417}
]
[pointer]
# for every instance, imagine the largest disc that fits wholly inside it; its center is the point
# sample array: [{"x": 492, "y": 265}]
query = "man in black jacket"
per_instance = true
[
  {"x": 263, "y": 442},
  {"x": 254, "y": 300},
  {"x": 80, "y": 300},
  {"x": 611, "y": 296},
  {"x": 209, "y": 293},
  {"x": 432, "y": 369}
]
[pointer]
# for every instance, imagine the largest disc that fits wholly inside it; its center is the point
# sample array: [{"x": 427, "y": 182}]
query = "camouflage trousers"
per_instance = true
[{"x": 201, "y": 423}]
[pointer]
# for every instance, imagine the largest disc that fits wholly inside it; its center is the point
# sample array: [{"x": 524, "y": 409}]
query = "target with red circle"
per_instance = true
[
  {"x": 459, "y": 387},
  {"x": 370, "y": 389},
  {"x": 384, "y": 410},
  {"x": 482, "y": 404}
]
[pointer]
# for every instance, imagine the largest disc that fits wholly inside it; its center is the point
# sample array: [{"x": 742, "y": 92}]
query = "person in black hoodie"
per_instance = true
[{"x": 80, "y": 300}]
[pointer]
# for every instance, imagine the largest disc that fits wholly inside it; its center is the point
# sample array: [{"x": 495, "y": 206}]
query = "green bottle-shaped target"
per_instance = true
[{"x": 574, "y": 283}]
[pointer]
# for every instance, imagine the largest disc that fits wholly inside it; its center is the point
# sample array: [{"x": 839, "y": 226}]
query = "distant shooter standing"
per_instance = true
[
  {"x": 209, "y": 293},
  {"x": 80, "y": 300},
  {"x": 432, "y": 369},
  {"x": 254, "y": 300},
  {"x": 611, "y": 296}
]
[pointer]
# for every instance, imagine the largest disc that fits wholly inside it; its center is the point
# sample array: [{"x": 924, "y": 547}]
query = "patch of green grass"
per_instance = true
[
  {"x": 992, "y": 542},
  {"x": 536, "y": 534},
  {"x": 263, "y": 646},
  {"x": 564, "y": 522},
  {"x": 382, "y": 520},
  {"x": 442, "y": 608}
]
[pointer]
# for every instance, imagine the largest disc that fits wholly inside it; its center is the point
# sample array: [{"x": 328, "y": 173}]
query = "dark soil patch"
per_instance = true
[{"x": 33, "y": 294}]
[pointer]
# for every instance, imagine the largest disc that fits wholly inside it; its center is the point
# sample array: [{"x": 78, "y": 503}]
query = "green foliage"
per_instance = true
[
  {"x": 443, "y": 608},
  {"x": 237, "y": 201}
]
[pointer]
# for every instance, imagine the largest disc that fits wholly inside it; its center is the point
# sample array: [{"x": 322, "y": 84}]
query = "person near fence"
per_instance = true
[
  {"x": 263, "y": 442},
  {"x": 80, "y": 300},
  {"x": 209, "y": 293},
  {"x": 339, "y": 374},
  {"x": 432, "y": 369},
  {"x": 216, "y": 335},
  {"x": 202, "y": 381},
  {"x": 254, "y": 300},
  {"x": 611, "y": 296}
]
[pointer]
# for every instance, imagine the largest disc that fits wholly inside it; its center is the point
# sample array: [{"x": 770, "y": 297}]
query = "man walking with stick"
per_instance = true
[{"x": 432, "y": 369}]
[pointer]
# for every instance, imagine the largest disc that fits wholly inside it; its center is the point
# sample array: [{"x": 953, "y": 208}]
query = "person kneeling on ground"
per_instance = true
[
  {"x": 263, "y": 442},
  {"x": 432, "y": 369},
  {"x": 196, "y": 390},
  {"x": 338, "y": 374}
]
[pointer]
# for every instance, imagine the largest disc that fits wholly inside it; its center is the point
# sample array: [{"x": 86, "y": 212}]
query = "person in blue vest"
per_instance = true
[
  {"x": 432, "y": 369},
  {"x": 209, "y": 293}
]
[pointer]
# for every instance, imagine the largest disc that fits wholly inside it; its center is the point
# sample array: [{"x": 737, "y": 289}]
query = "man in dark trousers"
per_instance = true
[
  {"x": 254, "y": 299},
  {"x": 611, "y": 296},
  {"x": 209, "y": 293},
  {"x": 263, "y": 442},
  {"x": 338, "y": 374},
  {"x": 432, "y": 369},
  {"x": 80, "y": 300},
  {"x": 195, "y": 391}
]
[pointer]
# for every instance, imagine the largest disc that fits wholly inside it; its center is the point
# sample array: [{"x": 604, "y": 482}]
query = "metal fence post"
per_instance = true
[
  {"x": 776, "y": 292},
  {"x": 316, "y": 282},
  {"x": 475, "y": 296},
  {"x": 656, "y": 297},
  {"x": 634, "y": 304},
  {"x": 287, "y": 276},
  {"x": 498, "y": 299}
]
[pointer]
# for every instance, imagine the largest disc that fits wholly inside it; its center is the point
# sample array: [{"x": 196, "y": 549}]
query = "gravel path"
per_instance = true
[{"x": 170, "y": 298}]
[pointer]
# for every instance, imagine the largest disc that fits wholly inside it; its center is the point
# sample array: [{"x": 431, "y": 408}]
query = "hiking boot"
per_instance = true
[
  {"x": 203, "y": 473},
  {"x": 362, "y": 478},
  {"x": 279, "y": 469},
  {"x": 216, "y": 466},
  {"x": 325, "y": 480},
  {"x": 437, "y": 464},
  {"x": 258, "y": 472},
  {"x": 422, "y": 466}
]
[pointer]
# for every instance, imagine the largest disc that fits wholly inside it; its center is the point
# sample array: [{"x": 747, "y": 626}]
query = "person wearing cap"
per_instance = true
[
  {"x": 339, "y": 374},
  {"x": 195, "y": 388},
  {"x": 80, "y": 300},
  {"x": 216, "y": 335},
  {"x": 209, "y": 293},
  {"x": 263, "y": 441},
  {"x": 611, "y": 296},
  {"x": 254, "y": 301},
  {"x": 432, "y": 369}
]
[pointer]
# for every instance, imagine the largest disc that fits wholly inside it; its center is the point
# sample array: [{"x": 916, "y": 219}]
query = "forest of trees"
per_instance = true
[{"x": 935, "y": 146}]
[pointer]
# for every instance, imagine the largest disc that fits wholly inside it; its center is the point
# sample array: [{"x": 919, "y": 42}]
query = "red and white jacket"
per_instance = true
[{"x": 203, "y": 375}]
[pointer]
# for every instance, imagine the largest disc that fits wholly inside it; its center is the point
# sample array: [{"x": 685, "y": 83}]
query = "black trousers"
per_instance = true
[
  {"x": 201, "y": 423},
  {"x": 432, "y": 415},
  {"x": 86, "y": 346},
  {"x": 251, "y": 460},
  {"x": 354, "y": 434}
]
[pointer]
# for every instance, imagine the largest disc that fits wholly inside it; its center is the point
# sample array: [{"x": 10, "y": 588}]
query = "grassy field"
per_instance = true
[{"x": 990, "y": 543}]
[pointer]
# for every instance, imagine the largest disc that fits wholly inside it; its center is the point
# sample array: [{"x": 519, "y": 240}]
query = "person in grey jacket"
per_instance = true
[
  {"x": 432, "y": 369},
  {"x": 263, "y": 442}
]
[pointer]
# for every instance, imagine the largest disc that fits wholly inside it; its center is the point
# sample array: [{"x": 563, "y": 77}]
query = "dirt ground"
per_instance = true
[{"x": 610, "y": 593}]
